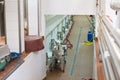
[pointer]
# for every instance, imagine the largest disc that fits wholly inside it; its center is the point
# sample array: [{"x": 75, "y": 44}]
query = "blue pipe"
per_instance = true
[{"x": 76, "y": 53}]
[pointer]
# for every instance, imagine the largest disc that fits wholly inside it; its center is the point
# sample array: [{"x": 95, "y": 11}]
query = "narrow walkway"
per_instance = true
[{"x": 80, "y": 57}]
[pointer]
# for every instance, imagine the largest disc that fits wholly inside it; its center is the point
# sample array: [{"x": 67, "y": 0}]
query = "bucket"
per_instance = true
[{"x": 90, "y": 36}]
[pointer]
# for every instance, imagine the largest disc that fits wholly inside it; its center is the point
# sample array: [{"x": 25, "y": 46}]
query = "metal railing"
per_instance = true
[{"x": 65, "y": 22}]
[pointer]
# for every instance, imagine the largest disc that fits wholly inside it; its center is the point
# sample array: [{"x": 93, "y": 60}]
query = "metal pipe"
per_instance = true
[
  {"x": 115, "y": 32},
  {"x": 109, "y": 66},
  {"x": 104, "y": 64},
  {"x": 112, "y": 48},
  {"x": 107, "y": 61}
]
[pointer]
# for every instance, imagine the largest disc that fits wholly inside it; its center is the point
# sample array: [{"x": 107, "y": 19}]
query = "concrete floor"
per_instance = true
[{"x": 80, "y": 58}]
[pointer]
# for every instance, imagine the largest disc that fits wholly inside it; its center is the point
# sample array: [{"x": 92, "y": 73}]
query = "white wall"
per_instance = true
[
  {"x": 65, "y": 7},
  {"x": 12, "y": 24},
  {"x": 33, "y": 68},
  {"x": 33, "y": 17},
  {"x": 69, "y": 6},
  {"x": 43, "y": 25}
]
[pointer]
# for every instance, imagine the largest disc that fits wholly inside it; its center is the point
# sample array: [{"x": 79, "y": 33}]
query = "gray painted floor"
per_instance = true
[{"x": 80, "y": 57}]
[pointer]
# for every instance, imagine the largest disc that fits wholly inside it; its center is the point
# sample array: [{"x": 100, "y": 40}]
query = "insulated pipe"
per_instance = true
[
  {"x": 108, "y": 34},
  {"x": 103, "y": 60},
  {"x": 118, "y": 19},
  {"x": 103, "y": 34},
  {"x": 113, "y": 50},
  {"x": 115, "y": 32},
  {"x": 109, "y": 66},
  {"x": 106, "y": 57},
  {"x": 115, "y": 5}
]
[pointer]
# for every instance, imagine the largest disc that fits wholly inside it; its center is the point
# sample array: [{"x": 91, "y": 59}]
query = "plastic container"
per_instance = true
[
  {"x": 90, "y": 36},
  {"x": 3, "y": 64},
  {"x": 34, "y": 43},
  {"x": 14, "y": 55}
]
